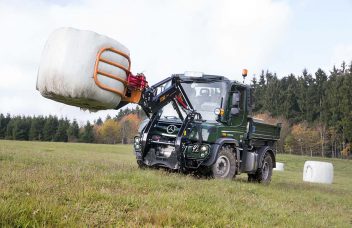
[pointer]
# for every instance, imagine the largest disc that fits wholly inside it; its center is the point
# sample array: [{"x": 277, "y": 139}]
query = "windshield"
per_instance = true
[
  {"x": 170, "y": 113},
  {"x": 206, "y": 97}
]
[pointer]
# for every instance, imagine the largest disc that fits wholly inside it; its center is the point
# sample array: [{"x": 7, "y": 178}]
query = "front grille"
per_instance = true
[{"x": 166, "y": 127}]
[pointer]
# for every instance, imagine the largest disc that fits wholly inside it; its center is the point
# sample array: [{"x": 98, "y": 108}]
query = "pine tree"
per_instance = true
[
  {"x": 262, "y": 79},
  {"x": 271, "y": 94},
  {"x": 73, "y": 131},
  {"x": 343, "y": 67},
  {"x": 254, "y": 82},
  {"x": 36, "y": 129},
  {"x": 21, "y": 128},
  {"x": 88, "y": 134},
  {"x": 50, "y": 128},
  {"x": 3, "y": 126},
  {"x": 321, "y": 79},
  {"x": 9, "y": 129},
  {"x": 99, "y": 122},
  {"x": 61, "y": 132},
  {"x": 350, "y": 68}
]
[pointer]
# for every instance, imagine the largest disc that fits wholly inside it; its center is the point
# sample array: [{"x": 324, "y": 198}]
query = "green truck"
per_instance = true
[{"x": 203, "y": 124}]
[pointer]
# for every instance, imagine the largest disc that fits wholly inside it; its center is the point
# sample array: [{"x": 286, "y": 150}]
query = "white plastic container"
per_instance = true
[
  {"x": 279, "y": 166},
  {"x": 318, "y": 172},
  {"x": 67, "y": 67}
]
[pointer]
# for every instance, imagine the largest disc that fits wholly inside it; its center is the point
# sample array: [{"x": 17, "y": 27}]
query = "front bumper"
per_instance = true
[{"x": 192, "y": 155}]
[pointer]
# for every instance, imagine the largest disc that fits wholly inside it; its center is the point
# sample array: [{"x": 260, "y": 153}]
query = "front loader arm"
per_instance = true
[{"x": 157, "y": 96}]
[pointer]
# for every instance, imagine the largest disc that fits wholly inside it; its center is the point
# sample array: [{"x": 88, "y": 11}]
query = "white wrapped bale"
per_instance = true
[
  {"x": 67, "y": 68},
  {"x": 318, "y": 172},
  {"x": 279, "y": 166}
]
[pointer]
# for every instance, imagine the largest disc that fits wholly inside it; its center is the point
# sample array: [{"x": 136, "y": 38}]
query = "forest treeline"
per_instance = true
[
  {"x": 316, "y": 109},
  {"x": 118, "y": 129}
]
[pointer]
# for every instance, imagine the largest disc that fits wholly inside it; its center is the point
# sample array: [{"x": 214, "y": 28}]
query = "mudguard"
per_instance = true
[
  {"x": 261, "y": 153},
  {"x": 215, "y": 148}
]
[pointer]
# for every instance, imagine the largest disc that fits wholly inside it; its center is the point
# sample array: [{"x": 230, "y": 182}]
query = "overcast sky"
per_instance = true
[{"x": 165, "y": 37}]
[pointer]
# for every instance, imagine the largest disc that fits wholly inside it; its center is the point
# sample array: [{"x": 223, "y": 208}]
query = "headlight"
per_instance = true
[
  {"x": 203, "y": 148},
  {"x": 137, "y": 141},
  {"x": 219, "y": 111}
]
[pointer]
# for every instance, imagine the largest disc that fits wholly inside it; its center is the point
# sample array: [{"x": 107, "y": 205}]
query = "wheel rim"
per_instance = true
[
  {"x": 265, "y": 170},
  {"x": 222, "y": 166}
]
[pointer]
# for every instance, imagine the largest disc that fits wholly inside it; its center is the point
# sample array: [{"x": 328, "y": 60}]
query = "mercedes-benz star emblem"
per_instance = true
[{"x": 171, "y": 129}]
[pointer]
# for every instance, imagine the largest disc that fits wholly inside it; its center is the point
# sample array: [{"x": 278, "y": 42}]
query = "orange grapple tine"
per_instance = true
[{"x": 135, "y": 84}]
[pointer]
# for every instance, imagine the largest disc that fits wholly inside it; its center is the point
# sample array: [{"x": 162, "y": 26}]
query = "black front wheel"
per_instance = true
[
  {"x": 141, "y": 164},
  {"x": 225, "y": 164}
]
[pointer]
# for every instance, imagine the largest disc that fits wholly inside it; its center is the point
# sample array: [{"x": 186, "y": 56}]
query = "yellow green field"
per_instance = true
[{"x": 66, "y": 184}]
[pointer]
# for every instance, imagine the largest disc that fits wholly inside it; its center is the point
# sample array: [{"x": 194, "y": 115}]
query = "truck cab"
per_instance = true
[{"x": 203, "y": 123}]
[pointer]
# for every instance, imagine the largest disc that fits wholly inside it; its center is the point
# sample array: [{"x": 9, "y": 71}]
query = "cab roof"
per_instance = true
[{"x": 208, "y": 78}]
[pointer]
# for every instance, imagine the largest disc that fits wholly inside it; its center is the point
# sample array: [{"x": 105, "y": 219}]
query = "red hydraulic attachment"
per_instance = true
[
  {"x": 181, "y": 102},
  {"x": 133, "y": 84},
  {"x": 137, "y": 82}
]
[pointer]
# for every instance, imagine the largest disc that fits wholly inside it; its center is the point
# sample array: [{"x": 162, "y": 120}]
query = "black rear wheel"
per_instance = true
[
  {"x": 225, "y": 164},
  {"x": 264, "y": 173}
]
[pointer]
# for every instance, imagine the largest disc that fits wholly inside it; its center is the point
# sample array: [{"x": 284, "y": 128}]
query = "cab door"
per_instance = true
[{"x": 237, "y": 117}]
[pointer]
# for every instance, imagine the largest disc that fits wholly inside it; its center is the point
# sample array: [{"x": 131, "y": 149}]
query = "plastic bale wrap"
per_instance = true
[
  {"x": 318, "y": 172},
  {"x": 279, "y": 166},
  {"x": 67, "y": 67}
]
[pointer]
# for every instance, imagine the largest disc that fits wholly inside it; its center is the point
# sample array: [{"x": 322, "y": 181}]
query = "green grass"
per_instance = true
[{"x": 65, "y": 184}]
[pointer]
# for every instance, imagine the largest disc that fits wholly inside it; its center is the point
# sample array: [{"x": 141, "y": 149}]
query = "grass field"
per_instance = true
[{"x": 63, "y": 184}]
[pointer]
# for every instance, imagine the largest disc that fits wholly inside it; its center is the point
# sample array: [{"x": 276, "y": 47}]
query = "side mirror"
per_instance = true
[
  {"x": 235, "y": 111},
  {"x": 235, "y": 99}
]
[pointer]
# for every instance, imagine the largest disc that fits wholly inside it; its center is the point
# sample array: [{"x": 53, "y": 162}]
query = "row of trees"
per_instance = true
[
  {"x": 39, "y": 128},
  {"x": 119, "y": 129},
  {"x": 317, "y": 109}
]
